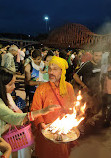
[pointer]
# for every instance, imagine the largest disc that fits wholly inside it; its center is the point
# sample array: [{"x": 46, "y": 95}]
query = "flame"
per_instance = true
[{"x": 64, "y": 125}]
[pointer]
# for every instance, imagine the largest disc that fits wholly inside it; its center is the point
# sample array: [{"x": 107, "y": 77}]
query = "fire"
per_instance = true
[{"x": 69, "y": 121}]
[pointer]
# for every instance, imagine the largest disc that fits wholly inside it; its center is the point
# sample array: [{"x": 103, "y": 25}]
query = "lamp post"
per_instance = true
[{"x": 46, "y": 18}]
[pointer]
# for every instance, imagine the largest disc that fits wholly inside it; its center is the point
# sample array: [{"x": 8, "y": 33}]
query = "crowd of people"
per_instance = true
[{"x": 53, "y": 78}]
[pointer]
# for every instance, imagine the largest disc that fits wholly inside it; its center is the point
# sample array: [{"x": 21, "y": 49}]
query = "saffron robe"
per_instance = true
[{"x": 43, "y": 97}]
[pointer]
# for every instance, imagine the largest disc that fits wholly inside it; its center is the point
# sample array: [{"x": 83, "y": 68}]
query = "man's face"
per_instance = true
[
  {"x": 54, "y": 72},
  {"x": 14, "y": 52},
  {"x": 97, "y": 57}
]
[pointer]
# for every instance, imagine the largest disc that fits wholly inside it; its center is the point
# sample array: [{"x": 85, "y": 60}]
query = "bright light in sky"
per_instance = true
[{"x": 46, "y": 18}]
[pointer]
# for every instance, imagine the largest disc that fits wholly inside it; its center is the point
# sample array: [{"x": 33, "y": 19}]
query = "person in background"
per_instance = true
[
  {"x": 4, "y": 49},
  {"x": 69, "y": 53},
  {"x": 46, "y": 63},
  {"x": 8, "y": 58},
  {"x": 70, "y": 71},
  {"x": 9, "y": 112},
  {"x": 33, "y": 76},
  {"x": 44, "y": 53},
  {"x": 104, "y": 59},
  {"x": 56, "y": 91},
  {"x": 106, "y": 81},
  {"x": 88, "y": 78},
  {"x": 90, "y": 72},
  {"x": 77, "y": 60},
  {"x": 87, "y": 56},
  {"x": 5, "y": 148},
  {"x": 56, "y": 52},
  {"x": 62, "y": 54},
  {"x": 27, "y": 54},
  {"x": 22, "y": 56}
]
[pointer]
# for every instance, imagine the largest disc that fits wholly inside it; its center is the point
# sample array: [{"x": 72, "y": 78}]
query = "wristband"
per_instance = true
[
  {"x": 30, "y": 116},
  {"x": 3, "y": 156}
]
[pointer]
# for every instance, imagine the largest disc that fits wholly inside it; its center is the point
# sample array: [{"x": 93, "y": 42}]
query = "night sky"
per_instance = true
[{"x": 27, "y": 16}]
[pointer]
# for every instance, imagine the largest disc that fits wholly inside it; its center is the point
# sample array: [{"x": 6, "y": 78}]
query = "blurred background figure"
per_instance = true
[
  {"x": 9, "y": 59},
  {"x": 22, "y": 56},
  {"x": 46, "y": 64},
  {"x": 5, "y": 148},
  {"x": 33, "y": 76},
  {"x": 106, "y": 84},
  {"x": 87, "y": 56},
  {"x": 44, "y": 53},
  {"x": 3, "y": 50}
]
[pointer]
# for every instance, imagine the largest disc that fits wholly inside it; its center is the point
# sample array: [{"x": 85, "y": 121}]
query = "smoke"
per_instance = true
[
  {"x": 101, "y": 40},
  {"x": 105, "y": 28}
]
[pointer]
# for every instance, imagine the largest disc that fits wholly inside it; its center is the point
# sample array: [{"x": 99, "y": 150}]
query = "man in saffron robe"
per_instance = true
[{"x": 56, "y": 91}]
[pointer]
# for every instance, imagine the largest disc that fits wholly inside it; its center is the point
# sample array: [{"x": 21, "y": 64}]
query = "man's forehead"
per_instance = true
[{"x": 54, "y": 65}]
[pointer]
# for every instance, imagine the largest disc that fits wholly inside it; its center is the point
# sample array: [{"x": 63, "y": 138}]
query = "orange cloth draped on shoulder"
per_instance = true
[{"x": 44, "y": 97}]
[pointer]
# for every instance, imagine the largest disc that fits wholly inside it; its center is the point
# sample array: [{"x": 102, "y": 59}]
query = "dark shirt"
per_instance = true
[{"x": 90, "y": 76}]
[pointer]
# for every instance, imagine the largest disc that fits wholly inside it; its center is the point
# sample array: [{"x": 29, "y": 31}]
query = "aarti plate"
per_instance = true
[{"x": 71, "y": 136}]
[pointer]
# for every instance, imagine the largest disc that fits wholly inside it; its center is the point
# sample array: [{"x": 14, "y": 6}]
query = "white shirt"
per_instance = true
[{"x": 22, "y": 55}]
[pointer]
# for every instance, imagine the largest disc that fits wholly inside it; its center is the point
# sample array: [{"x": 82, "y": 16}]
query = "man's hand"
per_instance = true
[
  {"x": 85, "y": 88},
  {"x": 44, "y": 111},
  {"x": 91, "y": 121},
  {"x": 50, "y": 108}
]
